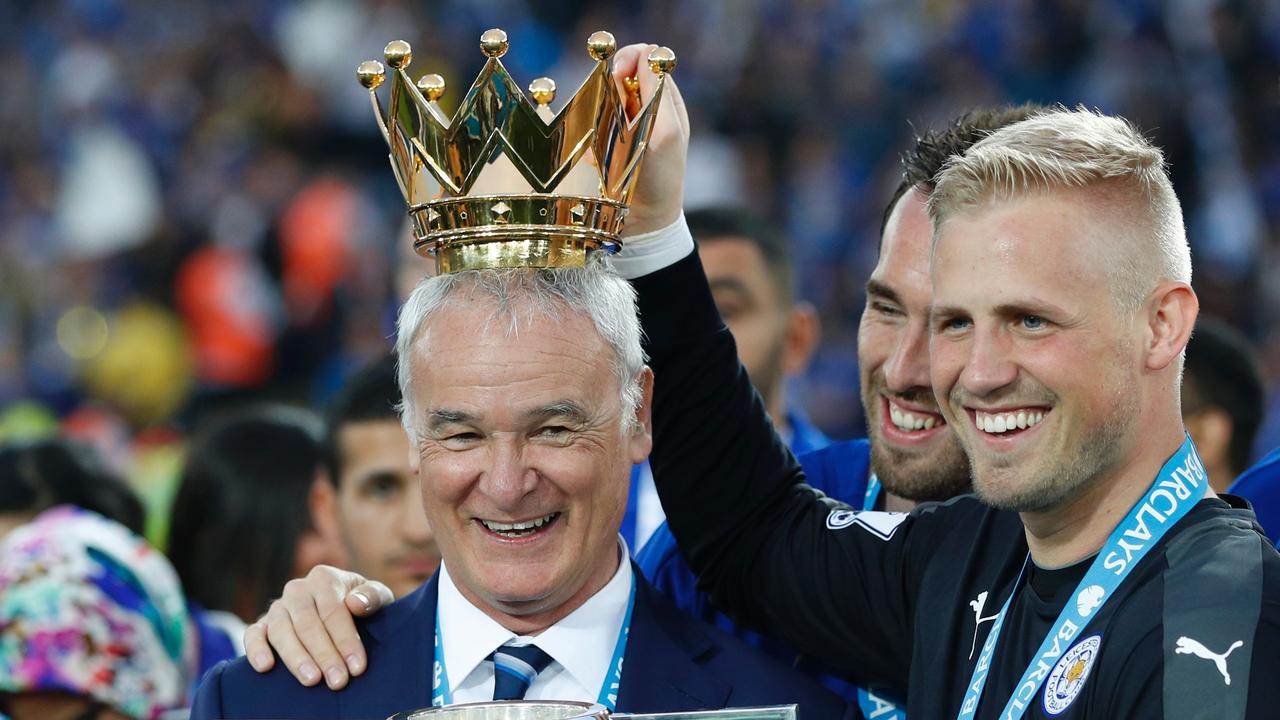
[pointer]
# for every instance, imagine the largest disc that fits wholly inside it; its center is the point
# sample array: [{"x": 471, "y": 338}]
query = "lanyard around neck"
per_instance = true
[
  {"x": 872, "y": 495},
  {"x": 442, "y": 693},
  {"x": 1179, "y": 485}
]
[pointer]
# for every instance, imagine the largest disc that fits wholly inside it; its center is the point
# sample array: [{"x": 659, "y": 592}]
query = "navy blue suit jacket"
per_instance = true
[{"x": 672, "y": 663}]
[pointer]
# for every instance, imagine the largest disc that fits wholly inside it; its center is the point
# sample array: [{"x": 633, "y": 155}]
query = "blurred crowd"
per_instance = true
[{"x": 195, "y": 207}]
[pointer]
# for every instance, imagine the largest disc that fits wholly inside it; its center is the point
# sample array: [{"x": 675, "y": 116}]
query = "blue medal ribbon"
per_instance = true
[
  {"x": 442, "y": 693},
  {"x": 872, "y": 495},
  {"x": 1179, "y": 485},
  {"x": 873, "y": 706}
]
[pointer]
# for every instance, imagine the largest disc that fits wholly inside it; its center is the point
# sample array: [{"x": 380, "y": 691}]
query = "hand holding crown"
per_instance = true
[{"x": 508, "y": 183}]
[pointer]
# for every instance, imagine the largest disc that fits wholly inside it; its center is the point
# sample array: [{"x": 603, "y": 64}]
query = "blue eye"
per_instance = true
[{"x": 1033, "y": 322}]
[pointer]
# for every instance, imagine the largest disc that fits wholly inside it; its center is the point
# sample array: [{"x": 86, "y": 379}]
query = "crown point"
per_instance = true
[
  {"x": 371, "y": 74},
  {"x": 493, "y": 43},
  {"x": 543, "y": 90},
  {"x": 398, "y": 54},
  {"x": 662, "y": 60},
  {"x": 432, "y": 86},
  {"x": 602, "y": 45}
]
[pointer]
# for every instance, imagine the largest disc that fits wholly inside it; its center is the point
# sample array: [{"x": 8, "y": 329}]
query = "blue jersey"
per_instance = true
[
  {"x": 841, "y": 471},
  {"x": 1260, "y": 485}
]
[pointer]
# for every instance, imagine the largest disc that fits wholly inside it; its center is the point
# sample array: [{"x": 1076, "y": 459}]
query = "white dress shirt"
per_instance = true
[
  {"x": 649, "y": 252},
  {"x": 581, "y": 645}
]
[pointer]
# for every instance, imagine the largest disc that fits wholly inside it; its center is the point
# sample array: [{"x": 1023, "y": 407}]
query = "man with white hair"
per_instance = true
[
  {"x": 527, "y": 399},
  {"x": 1096, "y": 574}
]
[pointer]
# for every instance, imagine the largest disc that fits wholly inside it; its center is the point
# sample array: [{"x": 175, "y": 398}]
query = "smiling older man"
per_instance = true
[{"x": 528, "y": 399}]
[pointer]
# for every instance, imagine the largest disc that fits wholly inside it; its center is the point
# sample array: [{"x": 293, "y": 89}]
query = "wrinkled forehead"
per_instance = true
[{"x": 469, "y": 347}]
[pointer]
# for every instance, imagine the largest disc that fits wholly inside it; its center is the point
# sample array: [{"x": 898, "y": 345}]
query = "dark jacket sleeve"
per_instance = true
[
  {"x": 735, "y": 498},
  {"x": 208, "y": 702}
]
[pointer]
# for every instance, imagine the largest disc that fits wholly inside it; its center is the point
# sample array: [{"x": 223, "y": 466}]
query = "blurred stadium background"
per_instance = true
[{"x": 195, "y": 207}]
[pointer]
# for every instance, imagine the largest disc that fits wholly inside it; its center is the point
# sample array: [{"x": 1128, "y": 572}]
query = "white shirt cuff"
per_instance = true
[{"x": 652, "y": 251}]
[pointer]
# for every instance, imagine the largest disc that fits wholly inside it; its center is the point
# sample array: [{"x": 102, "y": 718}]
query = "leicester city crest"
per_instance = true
[{"x": 1067, "y": 678}]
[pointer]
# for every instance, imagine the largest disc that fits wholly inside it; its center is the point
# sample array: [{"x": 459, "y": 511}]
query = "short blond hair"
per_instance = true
[{"x": 1064, "y": 149}]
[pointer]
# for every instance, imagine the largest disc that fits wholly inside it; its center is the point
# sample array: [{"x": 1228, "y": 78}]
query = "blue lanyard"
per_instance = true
[
  {"x": 442, "y": 693},
  {"x": 873, "y": 706},
  {"x": 1180, "y": 484},
  {"x": 872, "y": 495}
]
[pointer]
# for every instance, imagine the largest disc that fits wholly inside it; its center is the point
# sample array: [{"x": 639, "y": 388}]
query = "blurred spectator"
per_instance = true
[
  {"x": 749, "y": 267},
  {"x": 372, "y": 503},
  {"x": 241, "y": 525},
  {"x": 93, "y": 623},
  {"x": 1222, "y": 399},
  {"x": 37, "y": 475}
]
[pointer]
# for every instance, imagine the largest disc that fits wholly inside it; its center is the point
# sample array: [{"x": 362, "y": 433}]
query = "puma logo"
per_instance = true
[
  {"x": 977, "y": 604},
  {"x": 1191, "y": 646}
]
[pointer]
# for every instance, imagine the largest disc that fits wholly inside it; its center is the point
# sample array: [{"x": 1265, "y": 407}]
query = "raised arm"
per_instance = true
[{"x": 771, "y": 551}]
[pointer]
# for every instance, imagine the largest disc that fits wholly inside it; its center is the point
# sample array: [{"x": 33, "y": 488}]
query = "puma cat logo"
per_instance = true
[
  {"x": 977, "y": 604},
  {"x": 1191, "y": 646}
]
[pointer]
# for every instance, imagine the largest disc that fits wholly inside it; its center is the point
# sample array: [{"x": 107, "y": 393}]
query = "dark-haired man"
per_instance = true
[
  {"x": 749, "y": 267},
  {"x": 372, "y": 504},
  {"x": 1222, "y": 399}
]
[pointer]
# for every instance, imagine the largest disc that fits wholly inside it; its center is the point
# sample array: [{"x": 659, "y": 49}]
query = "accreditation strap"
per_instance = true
[
  {"x": 871, "y": 704},
  {"x": 442, "y": 693},
  {"x": 1179, "y": 485},
  {"x": 872, "y": 495}
]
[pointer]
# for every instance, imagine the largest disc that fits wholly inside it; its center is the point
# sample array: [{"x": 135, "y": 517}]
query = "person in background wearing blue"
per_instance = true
[
  {"x": 1222, "y": 399},
  {"x": 1223, "y": 403},
  {"x": 748, "y": 263}
]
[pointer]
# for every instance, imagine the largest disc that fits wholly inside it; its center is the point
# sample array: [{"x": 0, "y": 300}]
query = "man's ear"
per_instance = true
[
  {"x": 804, "y": 332},
  {"x": 641, "y": 440},
  {"x": 1171, "y": 317}
]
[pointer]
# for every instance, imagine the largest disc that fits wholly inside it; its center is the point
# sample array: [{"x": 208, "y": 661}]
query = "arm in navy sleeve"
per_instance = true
[
  {"x": 735, "y": 498},
  {"x": 208, "y": 701}
]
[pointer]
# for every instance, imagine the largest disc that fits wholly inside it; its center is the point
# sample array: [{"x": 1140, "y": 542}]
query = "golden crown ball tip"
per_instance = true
[
  {"x": 602, "y": 45},
  {"x": 662, "y": 60},
  {"x": 543, "y": 90},
  {"x": 432, "y": 86},
  {"x": 398, "y": 54},
  {"x": 371, "y": 74},
  {"x": 493, "y": 43}
]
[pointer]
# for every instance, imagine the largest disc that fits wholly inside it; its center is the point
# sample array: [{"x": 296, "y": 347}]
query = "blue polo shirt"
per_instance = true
[{"x": 1260, "y": 485}]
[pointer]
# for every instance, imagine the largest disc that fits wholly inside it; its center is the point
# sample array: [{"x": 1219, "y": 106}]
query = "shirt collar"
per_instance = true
[{"x": 582, "y": 642}]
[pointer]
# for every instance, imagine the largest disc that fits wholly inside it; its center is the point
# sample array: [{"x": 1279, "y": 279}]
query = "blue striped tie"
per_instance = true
[{"x": 514, "y": 668}]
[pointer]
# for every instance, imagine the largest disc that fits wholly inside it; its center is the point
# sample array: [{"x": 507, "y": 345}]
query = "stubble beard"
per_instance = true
[
  {"x": 937, "y": 473},
  {"x": 1062, "y": 473}
]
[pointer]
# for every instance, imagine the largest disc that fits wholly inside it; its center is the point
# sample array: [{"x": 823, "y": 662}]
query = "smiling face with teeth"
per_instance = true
[
  {"x": 523, "y": 457},
  {"x": 1040, "y": 368},
  {"x": 913, "y": 451}
]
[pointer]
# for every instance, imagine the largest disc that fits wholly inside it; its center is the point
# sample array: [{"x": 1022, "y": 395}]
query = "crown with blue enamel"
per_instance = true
[{"x": 506, "y": 182}]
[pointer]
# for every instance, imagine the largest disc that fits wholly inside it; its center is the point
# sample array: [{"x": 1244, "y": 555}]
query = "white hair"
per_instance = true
[
  {"x": 518, "y": 295},
  {"x": 1077, "y": 149}
]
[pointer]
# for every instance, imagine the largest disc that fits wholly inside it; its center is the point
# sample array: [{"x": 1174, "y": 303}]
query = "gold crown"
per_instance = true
[{"x": 507, "y": 183}]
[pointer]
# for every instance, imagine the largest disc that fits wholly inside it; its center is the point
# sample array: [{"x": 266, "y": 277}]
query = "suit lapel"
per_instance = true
[
  {"x": 661, "y": 669},
  {"x": 403, "y": 647}
]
